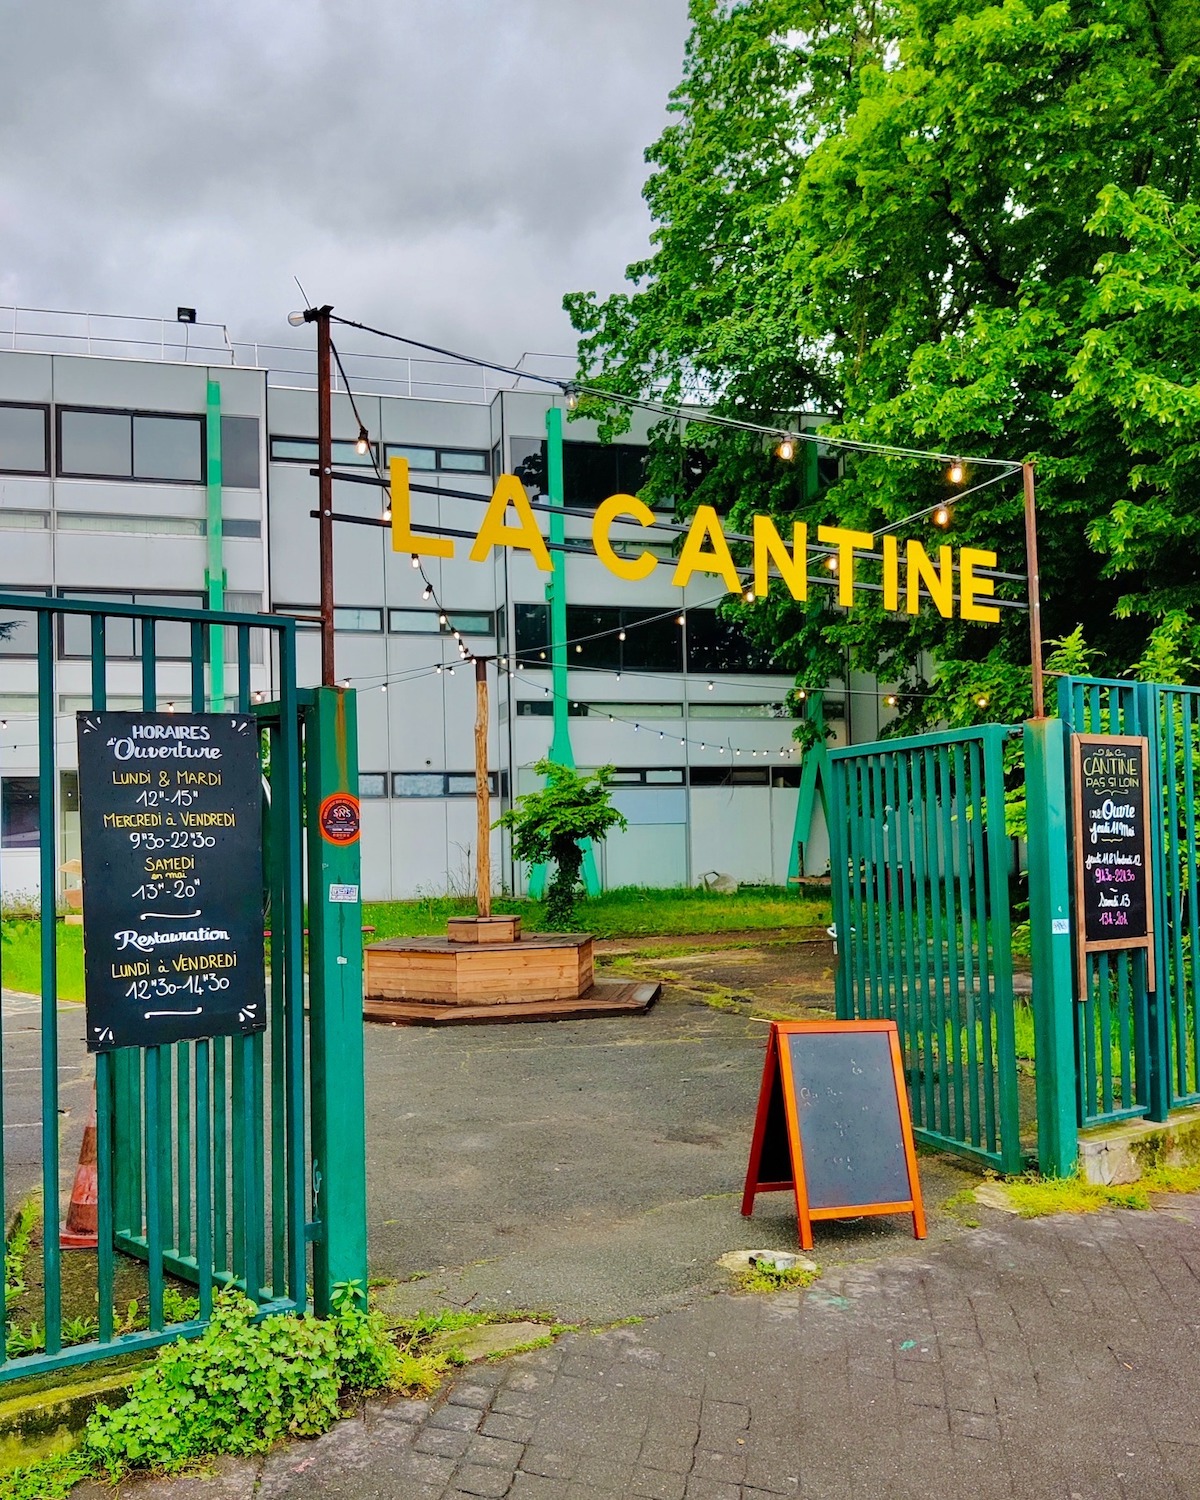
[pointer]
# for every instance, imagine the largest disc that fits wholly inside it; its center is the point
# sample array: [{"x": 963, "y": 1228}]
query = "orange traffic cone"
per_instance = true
[{"x": 79, "y": 1232}]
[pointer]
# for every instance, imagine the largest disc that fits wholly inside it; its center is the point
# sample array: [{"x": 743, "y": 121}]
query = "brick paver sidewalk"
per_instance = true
[{"x": 1045, "y": 1359}]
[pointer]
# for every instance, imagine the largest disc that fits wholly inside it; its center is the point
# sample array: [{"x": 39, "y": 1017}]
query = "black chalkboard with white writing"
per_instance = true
[
  {"x": 171, "y": 835},
  {"x": 833, "y": 1124},
  {"x": 1111, "y": 826},
  {"x": 848, "y": 1115}
]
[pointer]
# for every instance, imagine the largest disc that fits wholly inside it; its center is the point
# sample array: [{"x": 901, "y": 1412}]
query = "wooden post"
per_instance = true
[{"x": 483, "y": 836}]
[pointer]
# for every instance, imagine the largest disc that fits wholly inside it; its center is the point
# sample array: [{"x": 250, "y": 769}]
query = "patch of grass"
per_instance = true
[
  {"x": 1033, "y": 1196},
  {"x": 764, "y": 1278},
  {"x": 629, "y": 911},
  {"x": 17, "y": 1249},
  {"x": 21, "y": 959}
]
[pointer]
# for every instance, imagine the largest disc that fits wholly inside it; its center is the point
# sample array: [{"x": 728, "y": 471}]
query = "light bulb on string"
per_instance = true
[
  {"x": 363, "y": 443},
  {"x": 387, "y": 513},
  {"x": 415, "y": 561},
  {"x": 786, "y": 449},
  {"x": 572, "y": 398},
  {"x": 831, "y": 563},
  {"x": 620, "y": 635},
  {"x": 956, "y": 472},
  {"x": 942, "y": 516},
  {"x": 427, "y": 592}
]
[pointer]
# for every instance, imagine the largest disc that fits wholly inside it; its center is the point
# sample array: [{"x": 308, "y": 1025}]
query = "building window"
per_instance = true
[
  {"x": 123, "y": 634},
  {"x": 653, "y": 639},
  {"x": 19, "y": 812},
  {"x": 361, "y": 621},
  {"x": 289, "y": 450},
  {"x": 24, "y": 438},
  {"x": 441, "y": 460},
  {"x": 591, "y": 471},
  {"x": 372, "y": 784},
  {"x": 102, "y": 444},
  {"x": 18, "y": 627},
  {"x": 239, "y": 453},
  {"x": 443, "y": 783},
  {"x": 727, "y": 776},
  {"x": 715, "y": 644},
  {"x": 712, "y": 708},
  {"x": 24, "y": 520},
  {"x": 429, "y": 622}
]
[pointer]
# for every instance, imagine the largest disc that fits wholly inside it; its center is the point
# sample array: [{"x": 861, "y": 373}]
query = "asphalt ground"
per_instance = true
[
  {"x": 22, "y": 1077},
  {"x": 590, "y": 1169}
]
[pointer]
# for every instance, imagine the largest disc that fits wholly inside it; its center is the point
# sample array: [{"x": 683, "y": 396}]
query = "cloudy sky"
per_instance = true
[{"x": 444, "y": 167}]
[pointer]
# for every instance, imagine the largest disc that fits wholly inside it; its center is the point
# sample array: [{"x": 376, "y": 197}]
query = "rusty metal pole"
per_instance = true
[
  {"x": 1034, "y": 591},
  {"x": 320, "y": 316},
  {"x": 483, "y": 834}
]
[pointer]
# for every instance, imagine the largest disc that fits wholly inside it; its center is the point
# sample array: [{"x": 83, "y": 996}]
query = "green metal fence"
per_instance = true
[
  {"x": 920, "y": 864},
  {"x": 204, "y": 1148}
]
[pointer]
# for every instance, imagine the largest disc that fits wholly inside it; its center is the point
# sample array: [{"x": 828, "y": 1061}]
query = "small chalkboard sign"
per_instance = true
[
  {"x": 1114, "y": 896},
  {"x": 833, "y": 1124},
  {"x": 171, "y": 834}
]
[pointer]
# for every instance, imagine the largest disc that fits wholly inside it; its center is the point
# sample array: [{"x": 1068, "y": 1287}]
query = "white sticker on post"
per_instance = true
[
  {"x": 1060, "y": 926},
  {"x": 343, "y": 893}
]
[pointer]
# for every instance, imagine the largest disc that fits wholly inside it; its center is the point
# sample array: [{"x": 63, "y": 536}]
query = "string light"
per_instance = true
[
  {"x": 787, "y": 449},
  {"x": 956, "y": 472},
  {"x": 572, "y": 396},
  {"x": 981, "y": 701},
  {"x": 415, "y": 560},
  {"x": 891, "y": 700},
  {"x": 363, "y": 442},
  {"x": 941, "y": 516}
]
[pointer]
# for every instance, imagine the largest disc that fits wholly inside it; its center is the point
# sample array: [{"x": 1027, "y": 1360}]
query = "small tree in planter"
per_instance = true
[{"x": 550, "y": 825}]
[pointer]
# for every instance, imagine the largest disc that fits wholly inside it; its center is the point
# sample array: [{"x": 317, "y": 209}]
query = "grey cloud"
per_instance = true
[{"x": 447, "y": 166}]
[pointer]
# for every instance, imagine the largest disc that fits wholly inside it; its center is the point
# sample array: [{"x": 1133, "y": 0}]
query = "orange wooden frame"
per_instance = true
[{"x": 778, "y": 1064}]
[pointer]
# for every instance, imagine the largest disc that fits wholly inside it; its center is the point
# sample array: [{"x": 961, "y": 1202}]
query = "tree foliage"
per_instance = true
[
  {"x": 550, "y": 824},
  {"x": 967, "y": 227}
]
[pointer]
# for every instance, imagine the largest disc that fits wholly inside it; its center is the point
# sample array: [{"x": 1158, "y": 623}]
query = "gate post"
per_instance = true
[
  {"x": 335, "y": 999},
  {"x": 1050, "y": 930}
]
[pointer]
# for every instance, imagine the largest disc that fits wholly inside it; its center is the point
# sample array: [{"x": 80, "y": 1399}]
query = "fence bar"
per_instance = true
[
  {"x": 1050, "y": 933},
  {"x": 48, "y": 923}
]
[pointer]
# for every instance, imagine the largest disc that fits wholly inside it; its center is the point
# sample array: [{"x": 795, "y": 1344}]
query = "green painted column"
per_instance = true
[
  {"x": 561, "y": 750},
  {"x": 814, "y": 771},
  {"x": 214, "y": 573},
  {"x": 335, "y": 1002},
  {"x": 1050, "y": 929}
]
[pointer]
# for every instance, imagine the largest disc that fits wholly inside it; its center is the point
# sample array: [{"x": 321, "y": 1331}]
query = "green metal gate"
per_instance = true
[
  {"x": 213, "y": 1156},
  {"x": 1138, "y": 1051},
  {"x": 920, "y": 863}
]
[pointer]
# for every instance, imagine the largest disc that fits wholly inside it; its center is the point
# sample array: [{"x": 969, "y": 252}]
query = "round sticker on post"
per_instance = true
[{"x": 338, "y": 818}]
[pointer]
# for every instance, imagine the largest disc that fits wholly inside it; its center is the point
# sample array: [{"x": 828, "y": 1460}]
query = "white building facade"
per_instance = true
[{"x": 106, "y": 492}]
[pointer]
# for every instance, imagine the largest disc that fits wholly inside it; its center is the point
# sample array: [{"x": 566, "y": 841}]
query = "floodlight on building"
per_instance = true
[{"x": 185, "y": 314}]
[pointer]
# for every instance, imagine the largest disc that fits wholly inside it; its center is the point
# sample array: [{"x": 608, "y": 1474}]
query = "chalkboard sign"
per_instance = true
[
  {"x": 833, "y": 1124},
  {"x": 171, "y": 832},
  {"x": 1114, "y": 898}
]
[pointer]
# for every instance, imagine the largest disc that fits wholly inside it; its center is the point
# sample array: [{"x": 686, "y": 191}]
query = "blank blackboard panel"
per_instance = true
[{"x": 851, "y": 1134}]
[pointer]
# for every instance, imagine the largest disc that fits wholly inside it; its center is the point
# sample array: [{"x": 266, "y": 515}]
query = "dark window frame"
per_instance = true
[
  {"x": 8, "y": 840},
  {"x": 187, "y": 600},
  {"x": 359, "y": 461},
  {"x": 35, "y": 591},
  {"x": 131, "y": 412},
  {"x": 44, "y": 408},
  {"x": 437, "y": 449}
]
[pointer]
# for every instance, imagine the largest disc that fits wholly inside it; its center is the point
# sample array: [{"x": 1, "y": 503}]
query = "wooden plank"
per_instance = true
[{"x": 605, "y": 999}]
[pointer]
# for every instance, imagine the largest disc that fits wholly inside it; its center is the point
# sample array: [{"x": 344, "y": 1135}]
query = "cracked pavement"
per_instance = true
[{"x": 1052, "y": 1359}]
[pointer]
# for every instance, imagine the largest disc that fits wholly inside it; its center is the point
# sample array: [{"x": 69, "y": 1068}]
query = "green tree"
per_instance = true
[
  {"x": 944, "y": 224},
  {"x": 551, "y": 823}
]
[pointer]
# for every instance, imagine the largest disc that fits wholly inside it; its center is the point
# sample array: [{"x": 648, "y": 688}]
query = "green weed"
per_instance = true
[{"x": 767, "y": 1278}]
